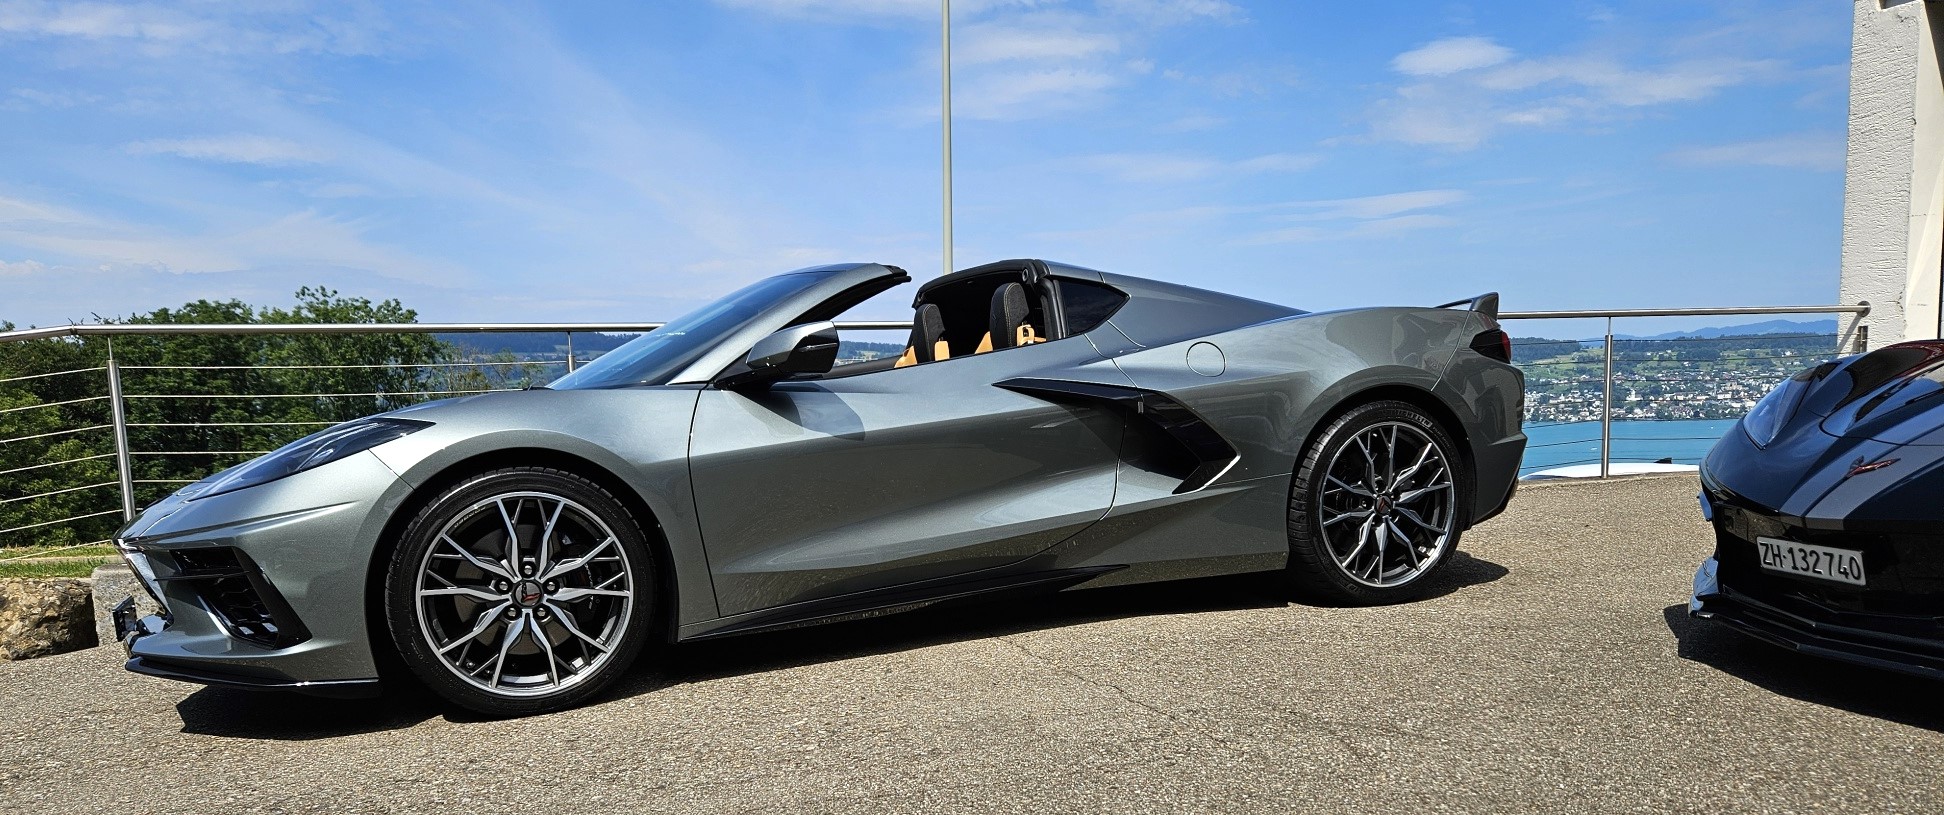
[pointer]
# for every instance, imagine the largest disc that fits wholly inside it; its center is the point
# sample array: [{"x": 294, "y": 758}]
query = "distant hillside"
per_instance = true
[
  {"x": 1749, "y": 330},
  {"x": 537, "y": 344}
]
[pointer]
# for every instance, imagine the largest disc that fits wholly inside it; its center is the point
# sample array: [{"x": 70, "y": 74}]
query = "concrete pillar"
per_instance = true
[{"x": 1893, "y": 197}]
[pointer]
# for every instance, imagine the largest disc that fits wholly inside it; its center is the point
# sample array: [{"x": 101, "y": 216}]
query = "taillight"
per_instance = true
[{"x": 1495, "y": 344}]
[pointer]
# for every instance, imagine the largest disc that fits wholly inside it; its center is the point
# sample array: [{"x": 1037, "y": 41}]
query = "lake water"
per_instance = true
[{"x": 1557, "y": 445}]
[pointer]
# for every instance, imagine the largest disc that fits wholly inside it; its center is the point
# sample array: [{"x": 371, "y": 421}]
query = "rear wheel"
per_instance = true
[
  {"x": 1375, "y": 506},
  {"x": 520, "y": 591}
]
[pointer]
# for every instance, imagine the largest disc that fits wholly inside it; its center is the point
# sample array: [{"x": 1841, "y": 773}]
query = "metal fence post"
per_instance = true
[
  {"x": 570, "y": 352},
  {"x": 119, "y": 416},
  {"x": 1606, "y": 409}
]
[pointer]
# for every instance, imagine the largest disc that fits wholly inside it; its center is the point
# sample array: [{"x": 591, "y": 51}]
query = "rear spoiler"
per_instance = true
[{"x": 1486, "y": 304}]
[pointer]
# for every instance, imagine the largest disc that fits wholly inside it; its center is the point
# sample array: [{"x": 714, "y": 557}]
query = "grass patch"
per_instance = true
[
  {"x": 50, "y": 568},
  {"x": 103, "y": 550}
]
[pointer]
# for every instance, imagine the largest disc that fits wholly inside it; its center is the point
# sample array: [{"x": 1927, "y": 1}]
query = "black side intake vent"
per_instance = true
[
  {"x": 233, "y": 589},
  {"x": 1202, "y": 455}
]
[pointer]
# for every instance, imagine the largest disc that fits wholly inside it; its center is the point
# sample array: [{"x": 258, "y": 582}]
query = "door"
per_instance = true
[{"x": 822, "y": 488}]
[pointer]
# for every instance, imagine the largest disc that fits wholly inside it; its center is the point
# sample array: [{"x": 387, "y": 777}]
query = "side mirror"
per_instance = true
[{"x": 810, "y": 348}]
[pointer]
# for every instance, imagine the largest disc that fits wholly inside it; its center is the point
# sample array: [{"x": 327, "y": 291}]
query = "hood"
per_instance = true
[{"x": 1894, "y": 394}]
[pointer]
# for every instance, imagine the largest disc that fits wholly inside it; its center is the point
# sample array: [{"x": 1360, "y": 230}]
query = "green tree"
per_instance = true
[{"x": 196, "y": 403}]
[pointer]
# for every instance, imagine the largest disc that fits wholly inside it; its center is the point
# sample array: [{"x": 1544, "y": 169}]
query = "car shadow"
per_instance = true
[
  {"x": 1888, "y": 695},
  {"x": 950, "y": 623},
  {"x": 233, "y": 713}
]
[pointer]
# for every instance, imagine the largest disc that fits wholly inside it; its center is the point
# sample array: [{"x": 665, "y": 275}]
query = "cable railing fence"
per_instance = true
[{"x": 99, "y": 420}]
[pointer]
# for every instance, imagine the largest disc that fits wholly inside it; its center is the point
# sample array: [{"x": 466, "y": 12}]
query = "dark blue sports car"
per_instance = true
[{"x": 1828, "y": 509}]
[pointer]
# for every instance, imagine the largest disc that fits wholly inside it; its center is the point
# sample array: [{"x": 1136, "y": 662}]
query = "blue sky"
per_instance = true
[{"x": 626, "y": 161}]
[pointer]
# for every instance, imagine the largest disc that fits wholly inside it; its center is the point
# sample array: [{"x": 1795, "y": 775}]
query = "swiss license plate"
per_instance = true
[{"x": 1810, "y": 560}]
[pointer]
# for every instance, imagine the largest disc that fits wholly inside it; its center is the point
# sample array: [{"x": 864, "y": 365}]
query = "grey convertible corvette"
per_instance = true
[{"x": 1048, "y": 427}]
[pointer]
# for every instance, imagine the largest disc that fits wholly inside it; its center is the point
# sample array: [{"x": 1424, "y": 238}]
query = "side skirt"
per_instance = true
[{"x": 882, "y": 602}]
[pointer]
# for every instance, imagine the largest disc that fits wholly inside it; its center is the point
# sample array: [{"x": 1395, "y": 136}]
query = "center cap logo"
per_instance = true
[{"x": 527, "y": 593}]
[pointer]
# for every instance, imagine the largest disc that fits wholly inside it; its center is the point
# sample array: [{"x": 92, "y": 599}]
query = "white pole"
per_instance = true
[{"x": 946, "y": 98}]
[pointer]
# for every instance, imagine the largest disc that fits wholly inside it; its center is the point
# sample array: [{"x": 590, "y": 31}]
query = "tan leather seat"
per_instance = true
[
  {"x": 1008, "y": 328},
  {"x": 927, "y": 343}
]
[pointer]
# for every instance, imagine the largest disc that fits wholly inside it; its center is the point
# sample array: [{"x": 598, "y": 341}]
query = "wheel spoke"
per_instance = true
[
  {"x": 461, "y": 591},
  {"x": 1413, "y": 495},
  {"x": 475, "y": 561},
  {"x": 570, "y": 565},
  {"x": 485, "y": 622},
  {"x": 1364, "y": 513},
  {"x": 1411, "y": 471},
  {"x": 567, "y": 622},
  {"x": 1383, "y": 541},
  {"x": 1353, "y": 490},
  {"x": 1390, "y": 454},
  {"x": 512, "y": 536},
  {"x": 539, "y": 634},
  {"x": 1415, "y": 518},
  {"x": 546, "y": 539},
  {"x": 1363, "y": 537},
  {"x": 571, "y": 595},
  {"x": 512, "y": 633},
  {"x": 1410, "y": 549}
]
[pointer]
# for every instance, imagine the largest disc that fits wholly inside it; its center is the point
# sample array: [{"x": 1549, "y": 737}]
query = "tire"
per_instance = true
[
  {"x": 1350, "y": 502},
  {"x": 541, "y": 634}
]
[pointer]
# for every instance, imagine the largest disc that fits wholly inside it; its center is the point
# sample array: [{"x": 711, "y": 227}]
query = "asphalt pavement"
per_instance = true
[{"x": 1554, "y": 671}]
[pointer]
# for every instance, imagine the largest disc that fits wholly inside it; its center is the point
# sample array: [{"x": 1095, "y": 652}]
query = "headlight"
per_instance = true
[
  {"x": 1765, "y": 421},
  {"x": 314, "y": 450}
]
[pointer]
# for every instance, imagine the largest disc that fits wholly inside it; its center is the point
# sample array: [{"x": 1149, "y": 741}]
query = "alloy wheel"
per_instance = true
[
  {"x": 1386, "y": 507},
  {"x": 524, "y": 594}
]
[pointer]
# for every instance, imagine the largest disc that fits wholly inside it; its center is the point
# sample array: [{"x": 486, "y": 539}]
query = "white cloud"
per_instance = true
[
  {"x": 1678, "y": 82},
  {"x": 1172, "y": 11},
  {"x": 1465, "y": 91},
  {"x": 1026, "y": 94},
  {"x": 1166, "y": 168},
  {"x": 21, "y": 267},
  {"x": 1450, "y": 56},
  {"x": 908, "y": 9},
  {"x": 1806, "y": 151},
  {"x": 992, "y": 42},
  {"x": 337, "y": 27},
  {"x": 1369, "y": 216},
  {"x": 232, "y": 149},
  {"x": 1381, "y": 206}
]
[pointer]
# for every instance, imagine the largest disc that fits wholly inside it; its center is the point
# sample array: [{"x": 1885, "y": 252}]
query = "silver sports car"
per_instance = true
[{"x": 1047, "y": 427}]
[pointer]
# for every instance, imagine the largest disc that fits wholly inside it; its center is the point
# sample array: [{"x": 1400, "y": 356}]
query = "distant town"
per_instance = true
[{"x": 1670, "y": 378}]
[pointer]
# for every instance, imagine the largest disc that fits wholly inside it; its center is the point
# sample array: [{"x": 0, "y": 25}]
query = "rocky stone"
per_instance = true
[
  {"x": 112, "y": 584},
  {"x": 39, "y": 617}
]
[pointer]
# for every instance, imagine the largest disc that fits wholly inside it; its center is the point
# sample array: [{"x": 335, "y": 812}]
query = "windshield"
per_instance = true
[{"x": 655, "y": 357}]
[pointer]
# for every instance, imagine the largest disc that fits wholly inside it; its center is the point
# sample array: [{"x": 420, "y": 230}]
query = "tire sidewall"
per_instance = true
[{"x": 401, "y": 577}]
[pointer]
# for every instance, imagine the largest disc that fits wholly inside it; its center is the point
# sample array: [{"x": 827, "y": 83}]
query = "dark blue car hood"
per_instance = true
[{"x": 1864, "y": 448}]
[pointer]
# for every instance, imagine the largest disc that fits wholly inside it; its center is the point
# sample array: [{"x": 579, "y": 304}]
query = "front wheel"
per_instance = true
[
  {"x": 520, "y": 591},
  {"x": 1375, "y": 506}
]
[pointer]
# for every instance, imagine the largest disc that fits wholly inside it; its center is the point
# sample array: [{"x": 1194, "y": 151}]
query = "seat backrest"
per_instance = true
[
  {"x": 1009, "y": 311},
  {"x": 927, "y": 337}
]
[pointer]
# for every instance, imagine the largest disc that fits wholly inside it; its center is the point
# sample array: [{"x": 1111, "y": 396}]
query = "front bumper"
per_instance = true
[
  {"x": 1820, "y": 635},
  {"x": 264, "y": 587}
]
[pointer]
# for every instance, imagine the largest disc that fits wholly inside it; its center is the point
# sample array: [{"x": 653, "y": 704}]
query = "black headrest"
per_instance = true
[
  {"x": 927, "y": 327},
  {"x": 1008, "y": 314}
]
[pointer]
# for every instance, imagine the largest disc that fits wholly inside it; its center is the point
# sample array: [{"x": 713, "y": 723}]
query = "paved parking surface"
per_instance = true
[{"x": 1555, "y": 672}]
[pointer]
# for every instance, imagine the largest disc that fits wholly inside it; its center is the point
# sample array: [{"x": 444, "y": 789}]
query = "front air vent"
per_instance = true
[{"x": 234, "y": 590}]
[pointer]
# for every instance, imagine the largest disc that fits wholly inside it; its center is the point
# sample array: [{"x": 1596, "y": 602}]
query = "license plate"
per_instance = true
[{"x": 1810, "y": 560}]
